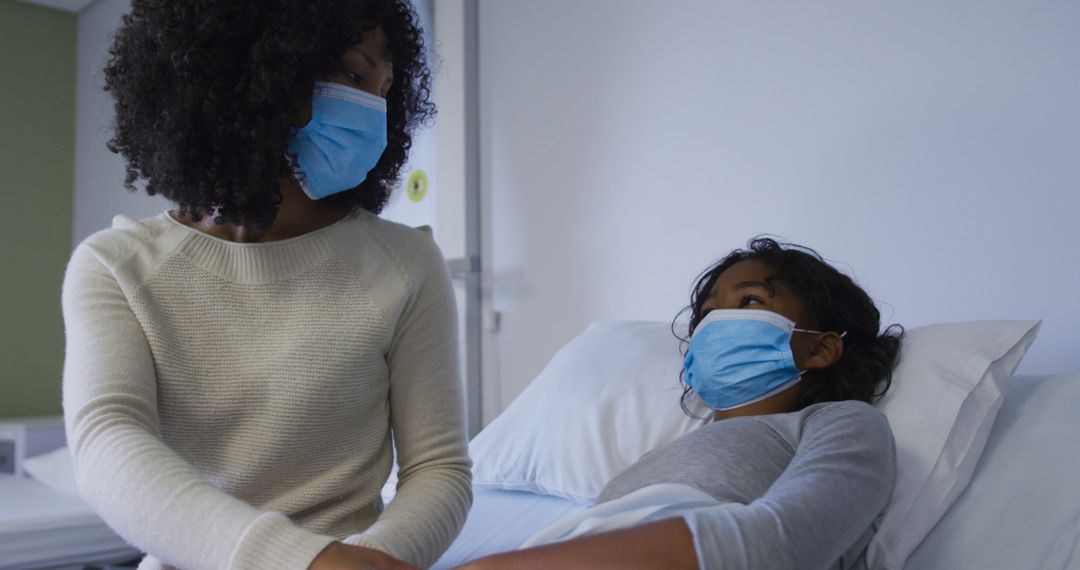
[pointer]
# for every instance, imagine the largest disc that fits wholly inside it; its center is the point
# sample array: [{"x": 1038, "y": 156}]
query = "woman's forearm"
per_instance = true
[{"x": 665, "y": 544}]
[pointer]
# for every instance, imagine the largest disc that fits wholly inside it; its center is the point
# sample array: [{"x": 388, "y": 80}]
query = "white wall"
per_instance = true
[
  {"x": 99, "y": 174},
  {"x": 933, "y": 146}
]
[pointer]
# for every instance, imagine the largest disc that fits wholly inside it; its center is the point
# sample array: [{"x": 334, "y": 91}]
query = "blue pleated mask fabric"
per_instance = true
[
  {"x": 738, "y": 357},
  {"x": 342, "y": 142}
]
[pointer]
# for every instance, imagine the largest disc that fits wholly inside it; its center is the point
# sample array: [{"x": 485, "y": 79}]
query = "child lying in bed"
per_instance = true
[{"x": 798, "y": 466}]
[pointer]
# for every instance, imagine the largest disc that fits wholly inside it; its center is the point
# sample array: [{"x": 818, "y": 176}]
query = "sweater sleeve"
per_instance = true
[
  {"x": 144, "y": 490},
  {"x": 839, "y": 481},
  {"x": 427, "y": 416}
]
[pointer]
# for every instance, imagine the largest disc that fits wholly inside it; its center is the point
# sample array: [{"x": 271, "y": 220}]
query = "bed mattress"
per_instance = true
[
  {"x": 502, "y": 520},
  {"x": 41, "y": 528}
]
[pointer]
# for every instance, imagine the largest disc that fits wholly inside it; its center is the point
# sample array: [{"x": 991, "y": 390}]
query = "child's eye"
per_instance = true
[
  {"x": 352, "y": 75},
  {"x": 750, "y": 300}
]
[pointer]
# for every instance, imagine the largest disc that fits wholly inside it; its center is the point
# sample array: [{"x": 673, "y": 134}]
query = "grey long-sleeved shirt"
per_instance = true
[{"x": 800, "y": 490}]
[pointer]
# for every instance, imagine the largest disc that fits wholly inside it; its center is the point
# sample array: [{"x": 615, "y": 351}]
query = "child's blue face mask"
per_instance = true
[
  {"x": 342, "y": 142},
  {"x": 741, "y": 356}
]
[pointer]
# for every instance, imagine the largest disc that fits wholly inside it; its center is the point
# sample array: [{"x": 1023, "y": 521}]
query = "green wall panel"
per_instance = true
[{"x": 37, "y": 137}]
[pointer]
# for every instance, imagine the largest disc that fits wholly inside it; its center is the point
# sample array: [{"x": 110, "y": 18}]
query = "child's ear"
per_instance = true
[{"x": 826, "y": 351}]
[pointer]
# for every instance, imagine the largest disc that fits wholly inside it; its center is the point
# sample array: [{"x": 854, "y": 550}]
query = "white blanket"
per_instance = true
[{"x": 648, "y": 504}]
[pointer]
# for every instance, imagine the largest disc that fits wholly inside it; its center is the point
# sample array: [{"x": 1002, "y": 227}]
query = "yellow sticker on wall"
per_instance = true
[{"x": 416, "y": 187}]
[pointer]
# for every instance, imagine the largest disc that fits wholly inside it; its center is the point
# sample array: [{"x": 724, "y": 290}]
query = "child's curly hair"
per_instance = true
[{"x": 834, "y": 303}]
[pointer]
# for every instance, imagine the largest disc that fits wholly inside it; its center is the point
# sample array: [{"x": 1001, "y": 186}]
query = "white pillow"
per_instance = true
[
  {"x": 1022, "y": 507},
  {"x": 604, "y": 400},
  {"x": 612, "y": 394},
  {"x": 945, "y": 396}
]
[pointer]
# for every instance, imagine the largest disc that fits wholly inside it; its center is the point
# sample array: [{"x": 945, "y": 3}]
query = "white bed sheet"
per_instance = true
[
  {"x": 501, "y": 520},
  {"x": 41, "y": 528}
]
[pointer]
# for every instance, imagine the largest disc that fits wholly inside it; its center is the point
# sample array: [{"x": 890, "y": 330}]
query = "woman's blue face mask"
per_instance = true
[
  {"x": 343, "y": 141},
  {"x": 738, "y": 357}
]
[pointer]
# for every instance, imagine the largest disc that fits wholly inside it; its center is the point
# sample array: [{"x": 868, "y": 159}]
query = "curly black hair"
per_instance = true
[
  {"x": 834, "y": 302},
  {"x": 205, "y": 92}
]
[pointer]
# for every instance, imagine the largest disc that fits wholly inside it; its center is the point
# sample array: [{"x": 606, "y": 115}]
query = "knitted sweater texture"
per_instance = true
[{"x": 237, "y": 406}]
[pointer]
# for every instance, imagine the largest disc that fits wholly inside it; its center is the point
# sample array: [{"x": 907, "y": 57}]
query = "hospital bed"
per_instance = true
[
  {"x": 42, "y": 527},
  {"x": 1021, "y": 510},
  {"x": 1017, "y": 506},
  {"x": 988, "y": 463}
]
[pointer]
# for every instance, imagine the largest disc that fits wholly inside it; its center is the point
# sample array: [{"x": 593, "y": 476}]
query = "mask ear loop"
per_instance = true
[{"x": 809, "y": 331}]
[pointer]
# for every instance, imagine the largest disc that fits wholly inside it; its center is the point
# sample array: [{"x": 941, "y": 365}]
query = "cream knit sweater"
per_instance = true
[{"x": 236, "y": 406}]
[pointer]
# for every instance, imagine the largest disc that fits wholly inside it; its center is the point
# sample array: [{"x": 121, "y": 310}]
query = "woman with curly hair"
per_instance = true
[
  {"x": 797, "y": 467},
  {"x": 240, "y": 370}
]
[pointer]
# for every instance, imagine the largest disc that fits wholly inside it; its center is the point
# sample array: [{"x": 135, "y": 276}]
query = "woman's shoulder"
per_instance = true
[
  {"x": 393, "y": 235},
  {"x": 845, "y": 417},
  {"x": 845, "y": 408},
  {"x": 412, "y": 250},
  {"x": 124, "y": 253},
  {"x": 128, "y": 240}
]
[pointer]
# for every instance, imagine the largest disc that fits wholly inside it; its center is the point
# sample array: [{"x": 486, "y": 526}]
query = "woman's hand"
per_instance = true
[{"x": 341, "y": 556}]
